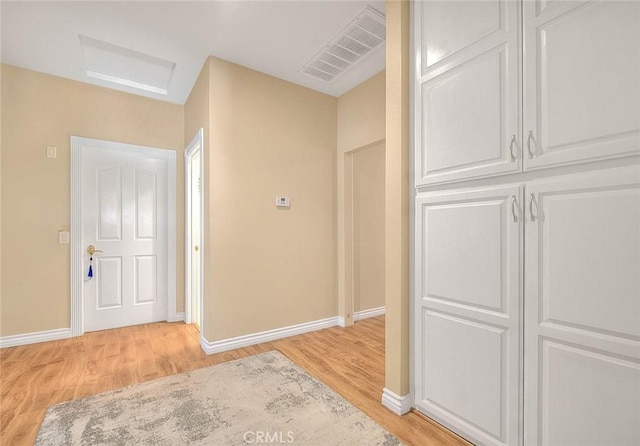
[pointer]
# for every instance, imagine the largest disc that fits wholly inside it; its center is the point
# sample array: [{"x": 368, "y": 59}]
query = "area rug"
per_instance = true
[{"x": 262, "y": 399}]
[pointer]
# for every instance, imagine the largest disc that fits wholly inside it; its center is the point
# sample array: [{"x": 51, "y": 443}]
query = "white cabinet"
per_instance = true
[
  {"x": 582, "y": 310},
  {"x": 577, "y": 64},
  {"x": 579, "y": 306},
  {"x": 467, "y": 313},
  {"x": 527, "y": 296},
  {"x": 581, "y": 81}
]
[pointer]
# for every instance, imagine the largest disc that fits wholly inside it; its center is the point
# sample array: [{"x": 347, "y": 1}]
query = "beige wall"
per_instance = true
[
  {"x": 269, "y": 267},
  {"x": 368, "y": 228},
  {"x": 361, "y": 114},
  {"x": 397, "y": 199},
  {"x": 40, "y": 110},
  {"x": 265, "y": 267},
  {"x": 1, "y": 144},
  {"x": 361, "y": 123}
]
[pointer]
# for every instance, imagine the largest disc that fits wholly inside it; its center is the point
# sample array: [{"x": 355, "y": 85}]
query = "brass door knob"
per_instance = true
[
  {"x": 196, "y": 248},
  {"x": 92, "y": 250}
]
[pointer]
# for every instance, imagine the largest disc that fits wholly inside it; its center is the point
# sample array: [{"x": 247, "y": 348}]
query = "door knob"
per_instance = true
[
  {"x": 196, "y": 248},
  {"x": 92, "y": 250}
]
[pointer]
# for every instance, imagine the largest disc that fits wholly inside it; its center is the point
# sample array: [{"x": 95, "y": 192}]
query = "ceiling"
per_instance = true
[{"x": 276, "y": 38}]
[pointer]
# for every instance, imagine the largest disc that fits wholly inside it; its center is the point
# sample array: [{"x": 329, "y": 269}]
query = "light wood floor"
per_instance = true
[{"x": 349, "y": 360}]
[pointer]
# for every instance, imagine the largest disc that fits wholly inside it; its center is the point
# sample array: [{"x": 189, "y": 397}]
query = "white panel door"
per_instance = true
[
  {"x": 581, "y": 81},
  {"x": 124, "y": 214},
  {"x": 582, "y": 323},
  {"x": 467, "y": 105},
  {"x": 468, "y": 312}
]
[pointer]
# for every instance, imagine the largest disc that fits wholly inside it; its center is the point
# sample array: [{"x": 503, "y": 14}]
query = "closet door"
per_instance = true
[
  {"x": 467, "y": 318},
  {"x": 581, "y": 81},
  {"x": 582, "y": 310},
  {"x": 467, "y": 90}
]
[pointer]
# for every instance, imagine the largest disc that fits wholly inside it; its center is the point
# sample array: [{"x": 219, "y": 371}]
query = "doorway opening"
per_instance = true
[
  {"x": 194, "y": 234},
  {"x": 363, "y": 229}
]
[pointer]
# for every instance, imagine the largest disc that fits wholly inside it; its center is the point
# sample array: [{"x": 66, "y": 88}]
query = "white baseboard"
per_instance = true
[
  {"x": 265, "y": 336},
  {"x": 364, "y": 314},
  {"x": 33, "y": 338},
  {"x": 396, "y": 403},
  {"x": 179, "y": 317}
]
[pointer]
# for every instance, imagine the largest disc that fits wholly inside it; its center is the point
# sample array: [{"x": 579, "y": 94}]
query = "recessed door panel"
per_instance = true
[
  {"x": 146, "y": 204},
  {"x": 591, "y": 259},
  {"x": 108, "y": 274},
  {"x": 109, "y": 206},
  {"x": 463, "y": 116},
  {"x": 468, "y": 384},
  {"x": 581, "y": 81},
  {"x": 464, "y": 254},
  {"x": 586, "y": 397},
  {"x": 146, "y": 279}
]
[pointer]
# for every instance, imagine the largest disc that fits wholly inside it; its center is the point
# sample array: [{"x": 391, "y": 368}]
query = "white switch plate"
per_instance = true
[
  {"x": 63, "y": 237},
  {"x": 51, "y": 152},
  {"x": 283, "y": 202}
]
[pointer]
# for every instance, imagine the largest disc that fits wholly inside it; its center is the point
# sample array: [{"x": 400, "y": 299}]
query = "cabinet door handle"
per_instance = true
[
  {"x": 531, "y": 214},
  {"x": 514, "y": 205},
  {"x": 513, "y": 143},
  {"x": 529, "y": 144}
]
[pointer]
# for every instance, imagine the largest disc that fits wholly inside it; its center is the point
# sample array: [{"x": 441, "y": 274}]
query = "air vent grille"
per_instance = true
[{"x": 364, "y": 34}]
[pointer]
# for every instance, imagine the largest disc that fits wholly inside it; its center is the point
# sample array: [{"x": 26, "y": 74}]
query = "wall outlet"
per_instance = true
[{"x": 283, "y": 202}]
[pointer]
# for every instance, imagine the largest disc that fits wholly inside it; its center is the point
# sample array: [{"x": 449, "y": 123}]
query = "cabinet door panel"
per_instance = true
[
  {"x": 582, "y": 313},
  {"x": 467, "y": 104},
  {"x": 462, "y": 109},
  {"x": 468, "y": 290},
  {"x": 581, "y": 81}
]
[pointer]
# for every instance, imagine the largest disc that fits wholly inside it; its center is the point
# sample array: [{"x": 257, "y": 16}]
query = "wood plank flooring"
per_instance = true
[{"x": 349, "y": 360}]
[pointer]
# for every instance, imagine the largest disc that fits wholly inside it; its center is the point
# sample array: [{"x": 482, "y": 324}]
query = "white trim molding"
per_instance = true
[
  {"x": 179, "y": 317},
  {"x": 265, "y": 336},
  {"x": 34, "y": 338},
  {"x": 364, "y": 314},
  {"x": 397, "y": 404}
]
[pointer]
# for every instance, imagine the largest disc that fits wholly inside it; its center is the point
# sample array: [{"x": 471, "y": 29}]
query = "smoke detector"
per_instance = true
[{"x": 365, "y": 33}]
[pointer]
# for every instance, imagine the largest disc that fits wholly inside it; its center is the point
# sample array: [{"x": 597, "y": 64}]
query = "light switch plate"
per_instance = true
[
  {"x": 63, "y": 237},
  {"x": 51, "y": 152}
]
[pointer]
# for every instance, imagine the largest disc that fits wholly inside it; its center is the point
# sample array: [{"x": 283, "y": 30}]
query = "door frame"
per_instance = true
[
  {"x": 196, "y": 143},
  {"x": 77, "y": 250}
]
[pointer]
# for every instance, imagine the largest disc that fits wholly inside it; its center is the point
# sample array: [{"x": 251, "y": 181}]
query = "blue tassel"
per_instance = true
[{"x": 90, "y": 268}]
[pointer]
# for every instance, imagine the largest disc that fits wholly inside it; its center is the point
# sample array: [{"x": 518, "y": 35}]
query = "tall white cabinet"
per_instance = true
[{"x": 527, "y": 220}]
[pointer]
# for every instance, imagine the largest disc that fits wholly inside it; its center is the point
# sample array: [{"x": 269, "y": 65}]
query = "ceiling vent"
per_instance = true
[
  {"x": 124, "y": 66},
  {"x": 364, "y": 34}
]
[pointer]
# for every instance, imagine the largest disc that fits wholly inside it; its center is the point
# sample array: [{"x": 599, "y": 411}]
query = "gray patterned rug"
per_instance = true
[{"x": 262, "y": 399}]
